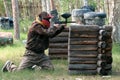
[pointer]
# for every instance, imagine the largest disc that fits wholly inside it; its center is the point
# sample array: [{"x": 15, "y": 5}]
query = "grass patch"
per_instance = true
[{"x": 15, "y": 52}]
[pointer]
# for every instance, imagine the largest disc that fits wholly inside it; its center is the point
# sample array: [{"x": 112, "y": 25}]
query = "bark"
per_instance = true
[
  {"x": 16, "y": 19},
  {"x": 6, "y": 8},
  {"x": 44, "y": 6},
  {"x": 116, "y": 21}
]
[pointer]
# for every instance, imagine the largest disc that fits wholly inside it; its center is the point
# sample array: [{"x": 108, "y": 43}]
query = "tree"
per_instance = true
[
  {"x": 7, "y": 12},
  {"x": 116, "y": 21},
  {"x": 15, "y": 19}
]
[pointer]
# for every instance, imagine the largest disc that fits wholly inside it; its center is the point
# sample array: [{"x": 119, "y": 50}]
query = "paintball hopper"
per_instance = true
[{"x": 66, "y": 15}]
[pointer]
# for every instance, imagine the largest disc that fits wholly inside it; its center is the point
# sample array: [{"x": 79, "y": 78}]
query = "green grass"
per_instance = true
[{"x": 15, "y": 52}]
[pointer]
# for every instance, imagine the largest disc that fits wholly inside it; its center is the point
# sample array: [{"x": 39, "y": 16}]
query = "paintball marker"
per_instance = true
[{"x": 65, "y": 16}]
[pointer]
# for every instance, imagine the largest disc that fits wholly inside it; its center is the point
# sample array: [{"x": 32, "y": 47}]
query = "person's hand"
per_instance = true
[
  {"x": 58, "y": 25},
  {"x": 64, "y": 25}
]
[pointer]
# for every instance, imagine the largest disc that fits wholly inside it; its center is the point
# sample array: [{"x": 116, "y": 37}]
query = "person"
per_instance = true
[{"x": 37, "y": 42}]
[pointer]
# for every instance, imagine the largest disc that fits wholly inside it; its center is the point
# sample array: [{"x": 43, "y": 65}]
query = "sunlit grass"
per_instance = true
[{"x": 15, "y": 52}]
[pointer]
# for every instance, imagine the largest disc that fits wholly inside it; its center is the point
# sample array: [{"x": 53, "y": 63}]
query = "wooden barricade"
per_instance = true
[
  {"x": 6, "y": 38},
  {"x": 90, "y": 49},
  {"x": 58, "y": 46}
]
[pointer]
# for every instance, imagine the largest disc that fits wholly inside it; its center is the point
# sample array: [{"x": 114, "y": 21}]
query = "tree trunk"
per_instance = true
[
  {"x": 6, "y": 8},
  {"x": 44, "y": 7},
  {"x": 85, "y": 2},
  {"x": 116, "y": 21},
  {"x": 16, "y": 19}
]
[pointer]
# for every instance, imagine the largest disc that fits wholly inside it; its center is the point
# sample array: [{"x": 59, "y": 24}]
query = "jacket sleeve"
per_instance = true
[{"x": 52, "y": 32}]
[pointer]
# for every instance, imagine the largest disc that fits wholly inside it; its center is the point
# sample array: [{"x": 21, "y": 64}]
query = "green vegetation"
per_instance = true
[{"x": 15, "y": 52}]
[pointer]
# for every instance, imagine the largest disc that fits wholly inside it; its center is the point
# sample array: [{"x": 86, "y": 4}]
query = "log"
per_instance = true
[
  {"x": 105, "y": 33},
  {"x": 6, "y": 38},
  {"x": 108, "y": 28},
  {"x": 82, "y": 66},
  {"x": 78, "y": 28},
  {"x": 85, "y": 72},
  {"x": 63, "y": 34},
  {"x": 108, "y": 53},
  {"x": 102, "y": 71},
  {"x": 102, "y": 32},
  {"x": 109, "y": 41},
  {"x": 74, "y": 60},
  {"x": 102, "y": 38},
  {"x": 109, "y": 59},
  {"x": 105, "y": 50},
  {"x": 101, "y": 63},
  {"x": 58, "y": 45},
  {"x": 102, "y": 44},
  {"x": 58, "y": 51},
  {"x": 82, "y": 47},
  {"x": 108, "y": 67},
  {"x": 58, "y": 39},
  {"x": 82, "y": 54},
  {"x": 66, "y": 29},
  {"x": 101, "y": 51},
  {"x": 83, "y": 39},
  {"x": 83, "y": 42},
  {"x": 83, "y": 34},
  {"x": 102, "y": 56},
  {"x": 60, "y": 56}
]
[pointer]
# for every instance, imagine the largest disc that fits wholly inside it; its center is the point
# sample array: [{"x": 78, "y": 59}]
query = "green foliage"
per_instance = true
[
  {"x": 2, "y": 9},
  {"x": 24, "y": 25}
]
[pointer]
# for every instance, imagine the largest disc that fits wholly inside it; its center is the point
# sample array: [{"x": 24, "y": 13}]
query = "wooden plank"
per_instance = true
[
  {"x": 6, "y": 38},
  {"x": 82, "y": 41},
  {"x": 85, "y": 72},
  {"x": 108, "y": 28},
  {"x": 60, "y": 56},
  {"x": 58, "y": 45},
  {"x": 101, "y": 63},
  {"x": 102, "y": 44},
  {"x": 66, "y": 29},
  {"x": 77, "y": 28},
  {"x": 83, "y": 47},
  {"x": 109, "y": 59},
  {"x": 83, "y": 34},
  {"x": 102, "y": 56},
  {"x": 82, "y": 66},
  {"x": 63, "y": 34},
  {"x": 74, "y": 60},
  {"x": 102, "y": 71},
  {"x": 82, "y": 54},
  {"x": 108, "y": 67},
  {"x": 58, "y": 51},
  {"x": 58, "y": 39}
]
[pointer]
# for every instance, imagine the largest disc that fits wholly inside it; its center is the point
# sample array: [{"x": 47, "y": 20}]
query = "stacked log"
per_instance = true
[
  {"x": 105, "y": 48},
  {"x": 58, "y": 46},
  {"x": 87, "y": 54},
  {"x": 6, "y": 38}
]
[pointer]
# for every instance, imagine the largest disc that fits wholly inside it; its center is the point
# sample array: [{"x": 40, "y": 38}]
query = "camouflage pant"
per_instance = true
[{"x": 31, "y": 58}]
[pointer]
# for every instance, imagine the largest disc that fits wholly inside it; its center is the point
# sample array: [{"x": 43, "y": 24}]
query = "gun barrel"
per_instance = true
[{"x": 64, "y": 22}]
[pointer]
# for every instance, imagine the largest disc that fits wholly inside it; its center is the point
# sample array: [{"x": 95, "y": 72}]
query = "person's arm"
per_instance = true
[{"x": 52, "y": 32}]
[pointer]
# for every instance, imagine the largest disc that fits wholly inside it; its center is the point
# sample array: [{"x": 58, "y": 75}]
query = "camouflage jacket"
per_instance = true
[{"x": 38, "y": 37}]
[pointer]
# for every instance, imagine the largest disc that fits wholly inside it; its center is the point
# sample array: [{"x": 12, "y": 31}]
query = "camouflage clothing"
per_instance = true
[
  {"x": 37, "y": 43},
  {"x": 31, "y": 58}
]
